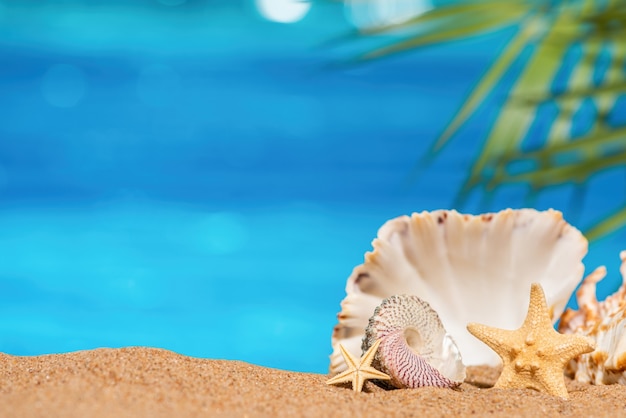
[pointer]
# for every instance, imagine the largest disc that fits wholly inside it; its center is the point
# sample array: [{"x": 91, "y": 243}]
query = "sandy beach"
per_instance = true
[{"x": 152, "y": 382}]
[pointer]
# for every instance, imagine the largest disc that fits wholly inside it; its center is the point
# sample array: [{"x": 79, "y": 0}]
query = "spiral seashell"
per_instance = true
[{"x": 415, "y": 349}]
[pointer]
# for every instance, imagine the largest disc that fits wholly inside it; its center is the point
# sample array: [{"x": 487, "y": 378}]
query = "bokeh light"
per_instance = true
[
  {"x": 372, "y": 13},
  {"x": 283, "y": 11}
]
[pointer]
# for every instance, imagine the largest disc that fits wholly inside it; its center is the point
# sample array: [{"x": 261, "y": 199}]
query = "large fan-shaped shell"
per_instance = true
[
  {"x": 605, "y": 322},
  {"x": 468, "y": 268},
  {"x": 415, "y": 349}
]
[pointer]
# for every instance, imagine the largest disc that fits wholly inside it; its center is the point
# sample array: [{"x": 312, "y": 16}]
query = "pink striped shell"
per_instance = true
[{"x": 415, "y": 350}]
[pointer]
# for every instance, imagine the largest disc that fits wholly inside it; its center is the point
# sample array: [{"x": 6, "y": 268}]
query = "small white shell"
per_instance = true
[
  {"x": 415, "y": 349},
  {"x": 605, "y": 322},
  {"x": 468, "y": 268}
]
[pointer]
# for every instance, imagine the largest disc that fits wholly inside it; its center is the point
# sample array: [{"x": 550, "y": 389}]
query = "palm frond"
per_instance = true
[
  {"x": 555, "y": 174},
  {"x": 553, "y": 32},
  {"x": 458, "y": 27},
  {"x": 487, "y": 83},
  {"x": 513, "y": 122},
  {"x": 611, "y": 224},
  {"x": 447, "y": 15}
]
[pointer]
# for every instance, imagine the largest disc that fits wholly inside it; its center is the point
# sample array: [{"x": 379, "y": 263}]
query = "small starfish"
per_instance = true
[
  {"x": 358, "y": 371},
  {"x": 534, "y": 355}
]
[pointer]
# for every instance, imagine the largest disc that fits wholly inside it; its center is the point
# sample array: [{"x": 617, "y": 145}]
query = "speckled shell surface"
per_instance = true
[
  {"x": 415, "y": 349},
  {"x": 469, "y": 268},
  {"x": 605, "y": 323}
]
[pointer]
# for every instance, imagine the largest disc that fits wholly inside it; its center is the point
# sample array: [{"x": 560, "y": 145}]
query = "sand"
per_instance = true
[{"x": 148, "y": 382}]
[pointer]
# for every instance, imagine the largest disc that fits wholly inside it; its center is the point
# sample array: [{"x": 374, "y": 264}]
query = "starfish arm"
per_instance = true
[
  {"x": 552, "y": 381},
  {"x": 359, "y": 380},
  {"x": 342, "y": 377},
  {"x": 368, "y": 357},
  {"x": 537, "y": 316},
  {"x": 370, "y": 373},
  {"x": 494, "y": 337},
  {"x": 569, "y": 346},
  {"x": 351, "y": 361},
  {"x": 507, "y": 379}
]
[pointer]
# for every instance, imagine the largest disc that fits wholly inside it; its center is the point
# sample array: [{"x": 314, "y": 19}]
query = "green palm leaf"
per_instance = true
[
  {"x": 488, "y": 82},
  {"x": 608, "y": 225},
  {"x": 454, "y": 14},
  {"x": 552, "y": 30},
  {"x": 457, "y": 28}
]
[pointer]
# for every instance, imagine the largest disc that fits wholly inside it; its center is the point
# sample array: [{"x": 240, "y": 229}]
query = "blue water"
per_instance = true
[{"x": 200, "y": 178}]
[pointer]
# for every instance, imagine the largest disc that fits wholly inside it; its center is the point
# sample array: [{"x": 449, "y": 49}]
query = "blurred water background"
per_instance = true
[{"x": 200, "y": 176}]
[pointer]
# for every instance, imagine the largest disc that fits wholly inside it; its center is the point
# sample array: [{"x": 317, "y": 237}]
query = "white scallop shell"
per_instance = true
[
  {"x": 468, "y": 268},
  {"x": 605, "y": 322},
  {"x": 415, "y": 349}
]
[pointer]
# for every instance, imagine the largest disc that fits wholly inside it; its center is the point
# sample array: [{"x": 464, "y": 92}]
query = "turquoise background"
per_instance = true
[{"x": 195, "y": 176}]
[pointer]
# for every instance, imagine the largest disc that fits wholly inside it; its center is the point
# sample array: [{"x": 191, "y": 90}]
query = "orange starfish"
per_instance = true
[{"x": 535, "y": 355}]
